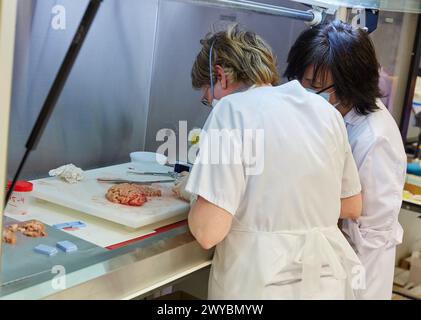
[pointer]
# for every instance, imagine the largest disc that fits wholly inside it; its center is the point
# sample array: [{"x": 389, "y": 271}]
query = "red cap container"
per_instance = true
[{"x": 21, "y": 186}]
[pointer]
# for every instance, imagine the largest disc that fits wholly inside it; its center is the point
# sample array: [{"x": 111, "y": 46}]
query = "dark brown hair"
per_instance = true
[{"x": 348, "y": 54}]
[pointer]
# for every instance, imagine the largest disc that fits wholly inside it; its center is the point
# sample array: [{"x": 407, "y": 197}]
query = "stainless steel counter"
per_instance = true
[{"x": 96, "y": 273}]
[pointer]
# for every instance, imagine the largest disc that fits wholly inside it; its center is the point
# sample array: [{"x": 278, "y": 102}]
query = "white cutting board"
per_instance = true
[{"x": 88, "y": 195}]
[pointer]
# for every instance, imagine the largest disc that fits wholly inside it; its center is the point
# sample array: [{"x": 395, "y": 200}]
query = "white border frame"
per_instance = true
[{"x": 8, "y": 10}]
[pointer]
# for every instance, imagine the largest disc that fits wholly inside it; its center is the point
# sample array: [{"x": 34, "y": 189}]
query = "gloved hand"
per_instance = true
[{"x": 180, "y": 188}]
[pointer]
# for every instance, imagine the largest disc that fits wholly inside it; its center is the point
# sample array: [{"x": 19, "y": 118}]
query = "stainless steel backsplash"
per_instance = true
[{"x": 131, "y": 79}]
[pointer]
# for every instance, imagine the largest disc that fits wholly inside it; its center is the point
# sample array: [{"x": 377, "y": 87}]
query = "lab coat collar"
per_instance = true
[
  {"x": 244, "y": 88},
  {"x": 352, "y": 117},
  {"x": 256, "y": 86}
]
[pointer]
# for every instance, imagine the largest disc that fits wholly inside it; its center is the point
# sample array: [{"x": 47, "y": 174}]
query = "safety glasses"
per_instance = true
[
  {"x": 327, "y": 88},
  {"x": 205, "y": 101}
]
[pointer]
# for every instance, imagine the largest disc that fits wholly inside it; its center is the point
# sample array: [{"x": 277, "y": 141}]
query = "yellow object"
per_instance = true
[{"x": 194, "y": 136}]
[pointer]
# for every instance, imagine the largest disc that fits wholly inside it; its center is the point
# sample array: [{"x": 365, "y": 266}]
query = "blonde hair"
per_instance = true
[{"x": 244, "y": 56}]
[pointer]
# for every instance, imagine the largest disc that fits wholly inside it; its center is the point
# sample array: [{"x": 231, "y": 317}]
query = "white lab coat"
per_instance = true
[
  {"x": 284, "y": 242},
  {"x": 381, "y": 160}
]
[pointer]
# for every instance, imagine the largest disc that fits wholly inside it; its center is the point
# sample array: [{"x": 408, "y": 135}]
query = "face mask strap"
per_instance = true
[
  {"x": 210, "y": 69},
  {"x": 205, "y": 102},
  {"x": 327, "y": 88}
]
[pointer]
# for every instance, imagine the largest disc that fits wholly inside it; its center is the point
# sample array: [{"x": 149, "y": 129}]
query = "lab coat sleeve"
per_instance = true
[
  {"x": 382, "y": 175},
  {"x": 350, "y": 180},
  {"x": 218, "y": 173}
]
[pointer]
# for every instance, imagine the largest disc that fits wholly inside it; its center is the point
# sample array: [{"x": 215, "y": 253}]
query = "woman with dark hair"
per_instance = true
[{"x": 339, "y": 62}]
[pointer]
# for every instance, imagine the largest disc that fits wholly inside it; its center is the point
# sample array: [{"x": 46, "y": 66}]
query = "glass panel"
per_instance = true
[
  {"x": 414, "y": 127},
  {"x": 109, "y": 81},
  {"x": 131, "y": 79},
  {"x": 393, "y": 40},
  {"x": 99, "y": 119},
  {"x": 413, "y": 6},
  {"x": 178, "y": 101}
]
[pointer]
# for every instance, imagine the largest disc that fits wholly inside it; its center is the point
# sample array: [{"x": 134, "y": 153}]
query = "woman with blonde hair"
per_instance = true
[{"x": 273, "y": 176}]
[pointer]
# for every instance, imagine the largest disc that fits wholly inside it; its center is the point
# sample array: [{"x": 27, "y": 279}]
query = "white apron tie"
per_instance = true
[
  {"x": 317, "y": 250},
  {"x": 320, "y": 247}
]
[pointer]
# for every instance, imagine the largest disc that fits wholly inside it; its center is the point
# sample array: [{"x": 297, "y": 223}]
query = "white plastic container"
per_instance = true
[
  {"x": 149, "y": 157},
  {"x": 19, "y": 200}
]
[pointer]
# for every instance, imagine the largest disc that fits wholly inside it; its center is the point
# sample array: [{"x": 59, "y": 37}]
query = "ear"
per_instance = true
[{"x": 220, "y": 76}]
